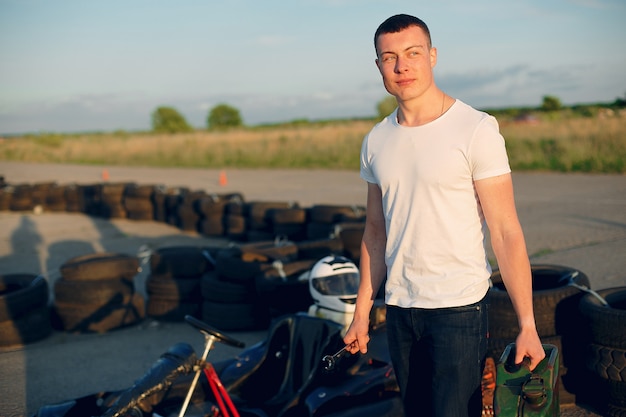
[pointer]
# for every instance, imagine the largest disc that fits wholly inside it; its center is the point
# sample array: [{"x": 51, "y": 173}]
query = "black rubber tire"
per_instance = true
[
  {"x": 138, "y": 204},
  {"x": 212, "y": 205},
  {"x": 334, "y": 213},
  {"x": 20, "y": 294},
  {"x": 100, "y": 266},
  {"x": 213, "y": 225},
  {"x": 178, "y": 289},
  {"x": 235, "y": 226},
  {"x": 171, "y": 310},
  {"x": 98, "y": 292},
  {"x": 31, "y": 327},
  {"x": 112, "y": 211},
  {"x": 316, "y": 230},
  {"x": 181, "y": 261},
  {"x": 555, "y": 303},
  {"x": 617, "y": 393},
  {"x": 223, "y": 291},
  {"x": 319, "y": 248},
  {"x": 607, "y": 323},
  {"x": 287, "y": 216},
  {"x": 145, "y": 191},
  {"x": 245, "y": 262},
  {"x": 235, "y": 316},
  {"x": 258, "y": 213},
  {"x": 89, "y": 318},
  {"x": 607, "y": 362}
]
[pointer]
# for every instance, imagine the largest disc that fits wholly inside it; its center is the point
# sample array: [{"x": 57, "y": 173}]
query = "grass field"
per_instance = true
[{"x": 564, "y": 144}]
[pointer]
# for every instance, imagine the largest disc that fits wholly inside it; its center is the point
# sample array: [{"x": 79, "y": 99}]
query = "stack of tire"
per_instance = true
[
  {"x": 54, "y": 199},
  {"x": 557, "y": 317},
  {"x": 258, "y": 218},
  {"x": 74, "y": 198},
  {"x": 6, "y": 192},
  {"x": 39, "y": 194},
  {"x": 606, "y": 358},
  {"x": 24, "y": 310},
  {"x": 96, "y": 293},
  {"x": 254, "y": 282},
  {"x": 212, "y": 209},
  {"x": 21, "y": 197},
  {"x": 112, "y": 201},
  {"x": 187, "y": 213},
  {"x": 289, "y": 222},
  {"x": 138, "y": 201},
  {"x": 347, "y": 223},
  {"x": 174, "y": 283}
]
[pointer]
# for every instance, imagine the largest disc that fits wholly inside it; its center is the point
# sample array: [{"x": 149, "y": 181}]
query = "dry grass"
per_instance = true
[{"x": 565, "y": 144}]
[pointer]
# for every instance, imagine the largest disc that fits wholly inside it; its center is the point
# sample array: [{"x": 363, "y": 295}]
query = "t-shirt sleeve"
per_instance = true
[
  {"x": 366, "y": 168},
  {"x": 488, "y": 157}
]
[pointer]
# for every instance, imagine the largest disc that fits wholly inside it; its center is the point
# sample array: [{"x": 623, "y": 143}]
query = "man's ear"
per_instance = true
[{"x": 433, "y": 57}]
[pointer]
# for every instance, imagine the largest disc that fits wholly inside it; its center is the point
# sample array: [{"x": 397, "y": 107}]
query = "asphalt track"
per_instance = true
[{"x": 575, "y": 220}]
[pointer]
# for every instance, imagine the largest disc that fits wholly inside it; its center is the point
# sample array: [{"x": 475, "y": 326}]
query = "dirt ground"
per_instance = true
[{"x": 569, "y": 219}]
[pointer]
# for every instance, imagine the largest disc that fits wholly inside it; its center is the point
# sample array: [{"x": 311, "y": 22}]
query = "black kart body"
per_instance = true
[{"x": 282, "y": 376}]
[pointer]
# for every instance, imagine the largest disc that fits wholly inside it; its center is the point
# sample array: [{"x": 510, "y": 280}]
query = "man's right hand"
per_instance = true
[{"x": 357, "y": 337}]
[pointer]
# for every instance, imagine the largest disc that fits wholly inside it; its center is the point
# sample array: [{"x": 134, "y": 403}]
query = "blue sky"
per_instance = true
[{"x": 83, "y": 65}]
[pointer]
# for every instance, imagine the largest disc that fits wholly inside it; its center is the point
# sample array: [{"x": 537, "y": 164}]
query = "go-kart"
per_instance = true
[{"x": 299, "y": 370}]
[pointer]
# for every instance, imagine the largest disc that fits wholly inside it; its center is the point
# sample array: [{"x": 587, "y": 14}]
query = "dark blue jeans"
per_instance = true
[{"x": 438, "y": 356}]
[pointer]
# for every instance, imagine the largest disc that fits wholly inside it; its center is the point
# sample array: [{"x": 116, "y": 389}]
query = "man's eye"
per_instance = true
[{"x": 389, "y": 58}]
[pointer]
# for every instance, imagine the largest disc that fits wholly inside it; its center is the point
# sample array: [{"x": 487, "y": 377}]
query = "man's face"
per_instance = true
[{"x": 406, "y": 62}]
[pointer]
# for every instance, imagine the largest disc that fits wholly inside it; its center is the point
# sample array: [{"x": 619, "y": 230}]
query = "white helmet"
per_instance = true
[{"x": 334, "y": 282}]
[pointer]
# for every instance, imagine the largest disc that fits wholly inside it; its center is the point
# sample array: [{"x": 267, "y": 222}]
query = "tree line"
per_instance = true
[
  {"x": 169, "y": 120},
  {"x": 223, "y": 116}
]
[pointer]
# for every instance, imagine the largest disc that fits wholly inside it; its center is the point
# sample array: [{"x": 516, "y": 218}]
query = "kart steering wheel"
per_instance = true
[{"x": 203, "y": 327}]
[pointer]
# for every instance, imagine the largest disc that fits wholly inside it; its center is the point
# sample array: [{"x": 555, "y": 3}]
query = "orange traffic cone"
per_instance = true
[
  {"x": 223, "y": 181},
  {"x": 105, "y": 175}
]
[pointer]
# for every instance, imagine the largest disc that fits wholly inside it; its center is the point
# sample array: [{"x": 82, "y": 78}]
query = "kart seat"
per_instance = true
[{"x": 293, "y": 351}]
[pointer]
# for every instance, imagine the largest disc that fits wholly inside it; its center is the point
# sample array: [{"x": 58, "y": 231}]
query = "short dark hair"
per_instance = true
[{"x": 400, "y": 22}]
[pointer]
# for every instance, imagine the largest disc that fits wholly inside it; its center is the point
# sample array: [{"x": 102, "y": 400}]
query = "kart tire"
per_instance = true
[
  {"x": 224, "y": 291},
  {"x": 555, "y": 303},
  {"x": 20, "y": 294},
  {"x": 607, "y": 323},
  {"x": 329, "y": 214},
  {"x": 99, "y": 266},
  {"x": 90, "y": 318},
  {"x": 319, "y": 248},
  {"x": 181, "y": 261},
  {"x": 608, "y": 363},
  {"x": 144, "y": 191},
  {"x": 171, "y": 310},
  {"x": 173, "y": 289},
  {"x": 96, "y": 292},
  {"x": 30, "y": 327},
  {"x": 258, "y": 213}
]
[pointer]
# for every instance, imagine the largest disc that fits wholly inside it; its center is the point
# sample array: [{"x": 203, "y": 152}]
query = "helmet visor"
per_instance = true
[{"x": 341, "y": 284}]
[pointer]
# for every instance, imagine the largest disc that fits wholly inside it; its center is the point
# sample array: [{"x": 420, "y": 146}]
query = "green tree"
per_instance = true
[
  {"x": 386, "y": 106},
  {"x": 169, "y": 120},
  {"x": 551, "y": 103},
  {"x": 223, "y": 116}
]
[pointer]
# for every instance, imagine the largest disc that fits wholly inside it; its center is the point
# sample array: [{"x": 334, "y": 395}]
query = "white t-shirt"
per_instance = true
[{"x": 435, "y": 252}]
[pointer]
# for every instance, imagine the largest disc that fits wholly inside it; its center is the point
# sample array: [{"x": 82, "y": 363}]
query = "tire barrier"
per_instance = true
[
  {"x": 243, "y": 286},
  {"x": 96, "y": 293},
  {"x": 174, "y": 283},
  {"x": 557, "y": 318},
  {"x": 605, "y": 315},
  {"x": 24, "y": 312}
]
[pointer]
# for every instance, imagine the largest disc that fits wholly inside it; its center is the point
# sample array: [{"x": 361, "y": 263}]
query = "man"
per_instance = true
[{"x": 436, "y": 172}]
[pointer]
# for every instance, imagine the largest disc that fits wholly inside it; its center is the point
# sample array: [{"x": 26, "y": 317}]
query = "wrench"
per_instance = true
[{"x": 329, "y": 360}]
